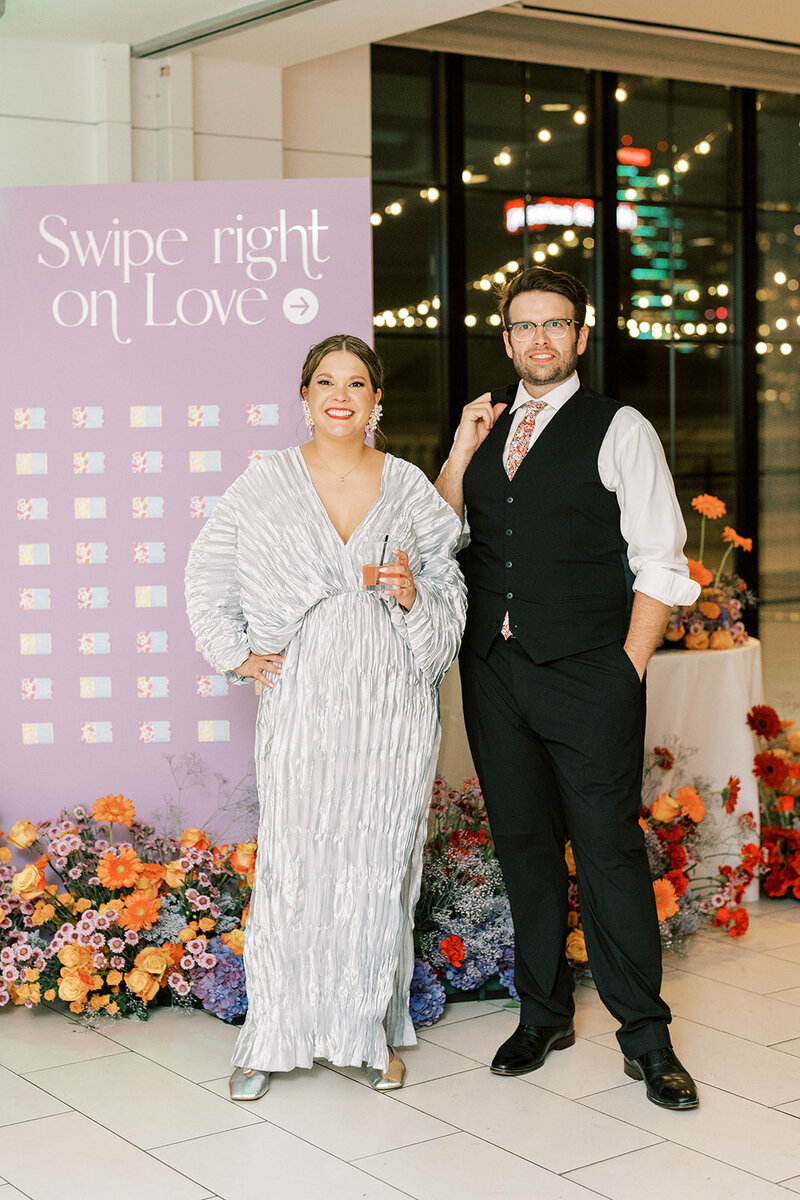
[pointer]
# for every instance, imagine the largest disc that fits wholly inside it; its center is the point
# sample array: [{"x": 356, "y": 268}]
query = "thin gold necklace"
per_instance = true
[{"x": 341, "y": 478}]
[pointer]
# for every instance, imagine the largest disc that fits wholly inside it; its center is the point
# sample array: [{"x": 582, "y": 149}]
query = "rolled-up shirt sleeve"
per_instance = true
[{"x": 633, "y": 465}]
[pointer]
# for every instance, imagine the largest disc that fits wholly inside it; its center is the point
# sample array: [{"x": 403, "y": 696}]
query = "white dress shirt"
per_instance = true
[{"x": 632, "y": 464}]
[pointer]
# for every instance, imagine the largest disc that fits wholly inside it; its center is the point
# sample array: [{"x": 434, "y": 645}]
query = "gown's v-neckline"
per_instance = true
[{"x": 342, "y": 542}]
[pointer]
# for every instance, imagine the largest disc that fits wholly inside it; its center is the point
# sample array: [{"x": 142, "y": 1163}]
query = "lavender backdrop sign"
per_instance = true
[{"x": 153, "y": 336}]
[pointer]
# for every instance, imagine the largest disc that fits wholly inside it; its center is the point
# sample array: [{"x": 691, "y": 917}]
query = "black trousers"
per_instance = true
[{"x": 559, "y": 749}]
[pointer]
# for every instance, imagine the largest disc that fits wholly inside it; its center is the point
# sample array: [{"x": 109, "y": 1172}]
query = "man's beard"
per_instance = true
[{"x": 560, "y": 369}]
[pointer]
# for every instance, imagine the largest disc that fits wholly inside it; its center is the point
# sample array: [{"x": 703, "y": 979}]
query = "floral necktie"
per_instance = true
[
  {"x": 523, "y": 435},
  {"x": 520, "y": 445}
]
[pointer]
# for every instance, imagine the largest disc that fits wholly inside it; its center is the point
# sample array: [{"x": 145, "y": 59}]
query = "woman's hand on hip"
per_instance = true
[
  {"x": 264, "y": 668},
  {"x": 400, "y": 576}
]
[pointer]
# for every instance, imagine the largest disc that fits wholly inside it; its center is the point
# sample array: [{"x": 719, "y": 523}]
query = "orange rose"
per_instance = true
[
  {"x": 22, "y": 834},
  {"x": 576, "y": 946},
  {"x": 113, "y": 977},
  {"x": 28, "y": 882},
  {"x": 142, "y": 984},
  {"x": 151, "y": 877},
  {"x": 243, "y": 857},
  {"x": 793, "y": 742},
  {"x": 42, "y": 913},
  {"x": 153, "y": 959},
  {"x": 664, "y": 808},
  {"x": 75, "y": 956},
  {"x": 207, "y": 924},
  {"x": 785, "y": 803},
  {"x": 234, "y": 940},
  {"x": 5, "y": 854},
  {"x": 721, "y": 639},
  {"x": 195, "y": 839},
  {"x": 570, "y": 857},
  {"x": 673, "y": 634},
  {"x": 75, "y": 983},
  {"x": 696, "y": 641}
]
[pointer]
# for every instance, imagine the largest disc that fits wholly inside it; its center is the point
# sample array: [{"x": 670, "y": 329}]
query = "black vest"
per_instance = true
[{"x": 546, "y": 547}]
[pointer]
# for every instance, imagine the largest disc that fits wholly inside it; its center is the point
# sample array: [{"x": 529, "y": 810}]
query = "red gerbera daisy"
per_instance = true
[
  {"x": 770, "y": 768},
  {"x": 730, "y": 793},
  {"x": 764, "y": 721}
]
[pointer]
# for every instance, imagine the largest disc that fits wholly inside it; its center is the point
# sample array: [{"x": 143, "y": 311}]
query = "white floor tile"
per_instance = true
[
  {"x": 194, "y": 1044},
  {"x": 7, "y": 1192},
  {"x": 591, "y": 1015},
  {"x": 263, "y": 1162},
  {"x": 733, "y": 1064},
  {"x": 790, "y": 996},
  {"x": 555, "y": 1133},
  {"x": 761, "y": 973},
  {"x": 792, "y": 1109},
  {"x": 34, "y": 1038},
  {"x": 791, "y": 1047},
  {"x": 790, "y": 951},
  {"x": 141, "y": 1101},
  {"x": 732, "y": 1009},
  {"x": 792, "y": 1185},
  {"x": 755, "y": 1139},
  {"x": 424, "y": 1061},
  {"x": 666, "y": 1171},
  {"x": 477, "y": 1039},
  {"x": 584, "y": 1068},
  {"x": 772, "y": 937},
  {"x": 23, "y": 1101},
  {"x": 465, "y": 1167},
  {"x": 334, "y": 1113},
  {"x": 463, "y": 1010},
  {"x": 57, "y": 1157}
]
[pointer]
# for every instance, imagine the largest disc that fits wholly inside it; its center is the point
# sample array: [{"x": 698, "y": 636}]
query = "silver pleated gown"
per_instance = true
[{"x": 345, "y": 749}]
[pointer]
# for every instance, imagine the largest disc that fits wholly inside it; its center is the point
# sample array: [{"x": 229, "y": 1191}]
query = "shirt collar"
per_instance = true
[{"x": 557, "y": 398}]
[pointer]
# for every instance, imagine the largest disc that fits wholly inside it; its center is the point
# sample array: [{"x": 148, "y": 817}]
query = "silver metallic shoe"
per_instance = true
[
  {"x": 390, "y": 1079},
  {"x": 248, "y": 1087}
]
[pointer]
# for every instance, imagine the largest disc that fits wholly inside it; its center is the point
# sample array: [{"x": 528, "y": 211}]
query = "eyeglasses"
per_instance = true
[{"x": 557, "y": 327}]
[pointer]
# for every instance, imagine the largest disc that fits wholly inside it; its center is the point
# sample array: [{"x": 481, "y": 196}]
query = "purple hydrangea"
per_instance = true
[
  {"x": 221, "y": 988},
  {"x": 426, "y": 1002},
  {"x": 506, "y": 972},
  {"x": 472, "y": 974}
]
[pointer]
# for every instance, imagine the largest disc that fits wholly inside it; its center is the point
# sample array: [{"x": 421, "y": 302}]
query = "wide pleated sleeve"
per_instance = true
[
  {"x": 213, "y": 595},
  {"x": 435, "y": 624}
]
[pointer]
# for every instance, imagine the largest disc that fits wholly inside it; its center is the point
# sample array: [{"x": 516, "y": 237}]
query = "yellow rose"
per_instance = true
[
  {"x": 50, "y": 994},
  {"x": 721, "y": 639},
  {"x": 196, "y": 838},
  {"x": 112, "y": 1008},
  {"x": 570, "y": 857},
  {"x": 82, "y": 904},
  {"x": 142, "y": 984},
  {"x": 73, "y": 985},
  {"x": 207, "y": 924},
  {"x": 29, "y": 882},
  {"x": 152, "y": 959},
  {"x": 234, "y": 940},
  {"x": 5, "y": 854},
  {"x": 671, "y": 634},
  {"x": 97, "y": 1002},
  {"x": 696, "y": 641},
  {"x": 188, "y": 933},
  {"x": 31, "y": 975},
  {"x": 664, "y": 808},
  {"x": 113, "y": 977},
  {"x": 75, "y": 956},
  {"x": 174, "y": 874},
  {"x": 22, "y": 834},
  {"x": 243, "y": 857},
  {"x": 42, "y": 913},
  {"x": 576, "y": 946},
  {"x": 21, "y": 992}
]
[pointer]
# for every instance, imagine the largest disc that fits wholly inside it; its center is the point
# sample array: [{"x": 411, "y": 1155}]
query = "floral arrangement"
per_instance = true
[
  {"x": 714, "y": 621},
  {"x": 777, "y": 769},
  {"x": 126, "y": 920}
]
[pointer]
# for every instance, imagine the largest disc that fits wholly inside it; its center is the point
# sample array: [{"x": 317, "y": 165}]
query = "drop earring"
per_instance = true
[
  {"x": 374, "y": 418},
  {"x": 307, "y": 415}
]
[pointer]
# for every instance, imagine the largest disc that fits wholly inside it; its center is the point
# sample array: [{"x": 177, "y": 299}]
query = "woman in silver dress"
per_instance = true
[{"x": 347, "y": 732}]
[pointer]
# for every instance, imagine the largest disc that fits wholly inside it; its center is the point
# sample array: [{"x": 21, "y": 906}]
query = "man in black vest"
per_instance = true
[{"x": 575, "y": 561}]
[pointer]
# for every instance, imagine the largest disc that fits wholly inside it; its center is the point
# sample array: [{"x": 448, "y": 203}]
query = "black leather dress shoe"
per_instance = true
[
  {"x": 528, "y": 1047},
  {"x": 668, "y": 1083}
]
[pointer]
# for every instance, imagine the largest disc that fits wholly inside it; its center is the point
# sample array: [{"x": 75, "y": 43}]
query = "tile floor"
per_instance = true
[{"x": 139, "y": 1111}]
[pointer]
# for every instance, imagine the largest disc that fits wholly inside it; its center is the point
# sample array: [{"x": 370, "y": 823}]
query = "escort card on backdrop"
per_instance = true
[{"x": 153, "y": 337}]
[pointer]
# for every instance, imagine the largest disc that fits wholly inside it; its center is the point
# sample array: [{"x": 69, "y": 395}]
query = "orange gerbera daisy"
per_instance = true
[
  {"x": 119, "y": 870},
  {"x": 709, "y": 506},
  {"x": 699, "y": 573},
  {"x": 666, "y": 900},
  {"x": 709, "y": 609},
  {"x": 114, "y": 809},
  {"x": 691, "y": 804},
  {"x": 741, "y": 543},
  {"x": 139, "y": 911}
]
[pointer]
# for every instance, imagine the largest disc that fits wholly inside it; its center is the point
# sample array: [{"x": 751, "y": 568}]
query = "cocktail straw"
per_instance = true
[{"x": 383, "y": 550}]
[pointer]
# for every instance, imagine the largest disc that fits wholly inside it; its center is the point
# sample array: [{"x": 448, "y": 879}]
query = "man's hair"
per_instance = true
[{"x": 542, "y": 279}]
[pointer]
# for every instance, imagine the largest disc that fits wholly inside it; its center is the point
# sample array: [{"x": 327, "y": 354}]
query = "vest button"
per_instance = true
[
  {"x": 509, "y": 532},
  {"x": 509, "y": 564},
  {"x": 509, "y": 499},
  {"x": 509, "y": 595}
]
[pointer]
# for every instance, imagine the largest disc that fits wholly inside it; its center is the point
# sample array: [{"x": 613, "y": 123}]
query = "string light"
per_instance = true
[
  {"x": 579, "y": 116},
  {"x": 376, "y": 219},
  {"x": 470, "y": 320},
  {"x": 779, "y": 277},
  {"x": 682, "y": 165},
  {"x": 394, "y": 209},
  {"x": 662, "y": 179},
  {"x": 702, "y": 147},
  {"x": 620, "y": 94},
  {"x": 503, "y": 159},
  {"x": 544, "y": 135}
]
